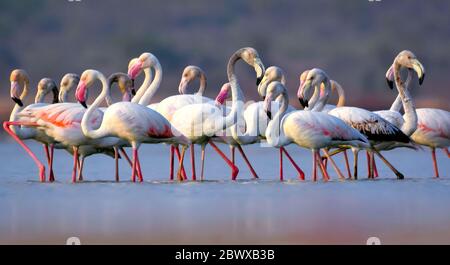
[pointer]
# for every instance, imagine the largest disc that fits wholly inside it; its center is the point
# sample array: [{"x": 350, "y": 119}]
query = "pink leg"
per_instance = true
[
  {"x": 232, "y": 155},
  {"x": 75, "y": 164},
  {"x": 138, "y": 166},
  {"x": 347, "y": 165},
  {"x": 433, "y": 155},
  {"x": 172, "y": 150},
  {"x": 299, "y": 170},
  {"x": 80, "y": 168},
  {"x": 369, "y": 163},
  {"x": 41, "y": 167},
  {"x": 134, "y": 169},
  {"x": 325, "y": 175},
  {"x": 183, "y": 172},
  {"x": 234, "y": 169},
  {"x": 314, "y": 166},
  {"x": 247, "y": 162},
  {"x": 336, "y": 168},
  {"x": 194, "y": 176},
  {"x": 374, "y": 166},
  {"x": 281, "y": 165}
]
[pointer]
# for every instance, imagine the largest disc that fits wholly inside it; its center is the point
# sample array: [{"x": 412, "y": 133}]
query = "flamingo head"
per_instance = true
[
  {"x": 45, "y": 86},
  {"x": 251, "y": 57},
  {"x": 273, "y": 73},
  {"x": 86, "y": 80},
  {"x": 68, "y": 82},
  {"x": 18, "y": 78},
  {"x": 390, "y": 77},
  {"x": 224, "y": 94},
  {"x": 190, "y": 73},
  {"x": 274, "y": 89},
  {"x": 409, "y": 60},
  {"x": 133, "y": 72},
  {"x": 315, "y": 78},
  {"x": 124, "y": 83}
]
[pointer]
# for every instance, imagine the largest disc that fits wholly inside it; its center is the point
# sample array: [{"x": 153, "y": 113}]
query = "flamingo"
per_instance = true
[
  {"x": 229, "y": 135},
  {"x": 374, "y": 127},
  {"x": 19, "y": 132},
  {"x": 200, "y": 122},
  {"x": 256, "y": 120},
  {"x": 169, "y": 105},
  {"x": 433, "y": 125},
  {"x": 335, "y": 87},
  {"x": 132, "y": 122},
  {"x": 311, "y": 130},
  {"x": 62, "y": 123}
]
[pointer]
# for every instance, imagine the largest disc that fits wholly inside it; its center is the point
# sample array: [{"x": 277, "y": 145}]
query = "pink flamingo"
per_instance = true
[
  {"x": 129, "y": 121},
  {"x": 19, "y": 132}
]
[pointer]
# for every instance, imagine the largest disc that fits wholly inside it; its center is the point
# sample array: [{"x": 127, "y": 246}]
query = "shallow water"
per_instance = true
[{"x": 415, "y": 210}]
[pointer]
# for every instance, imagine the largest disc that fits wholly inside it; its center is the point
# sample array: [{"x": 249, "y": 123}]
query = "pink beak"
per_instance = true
[
  {"x": 134, "y": 71},
  {"x": 80, "y": 94}
]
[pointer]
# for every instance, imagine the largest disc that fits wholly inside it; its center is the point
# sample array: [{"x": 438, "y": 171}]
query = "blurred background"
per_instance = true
[{"x": 355, "y": 41}]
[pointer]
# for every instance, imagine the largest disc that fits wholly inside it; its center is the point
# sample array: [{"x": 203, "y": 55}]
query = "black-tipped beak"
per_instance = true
[
  {"x": 303, "y": 102},
  {"x": 132, "y": 83},
  {"x": 269, "y": 114},
  {"x": 84, "y": 104},
  {"x": 421, "y": 79},
  {"x": 258, "y": 80},
  {"x": 133, "y": 91},
  {"x": 390, "y": 83},
  {"x": 263, "y": 98},
  {"x": 55, "y": 96},
  {"x": 18, "y": 101}
]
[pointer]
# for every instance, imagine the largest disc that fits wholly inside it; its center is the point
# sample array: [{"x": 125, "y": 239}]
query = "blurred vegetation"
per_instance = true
[{"x": 353, "y": 40}]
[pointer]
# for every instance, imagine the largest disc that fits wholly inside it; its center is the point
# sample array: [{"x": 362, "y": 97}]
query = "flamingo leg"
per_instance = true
[
  {"x": 447, "y": 152},
  {"x": 355, "y": 164},
  {"x": 194, "y": 177},
  {"x": 338, "y": 171},
  {"x": 172, "y": 156},
  {"x": 180, "y": 167},
  {"x": 116, "y": 160},
  {"x": 325, "y": 175},
  {"x": 134, "y": 170},
  {"x": 234, "y": 169},
  {"x": 75, "y": 164},
  {"x": 396, "y": 172},
  {"x": 347, "y": 165},
  {"x": 232, "y": 155},
  {"x": 41, "y": 167},
  {"x": 183, "y": 172},
  {"x": 247, "y": 162},
  {"x": 281, "y": 165},
  {"x": 299, "y": 170},
  {"x": 138, "y": 167},
  {"x": 435, "y": 165},
  {"x": 51, "y": 177},
  {"x": 314, "y": 166},
  {"x": 369, "y": 163},
  {"x": 80, "y": 170},
  {"x": 374, "y": 166},
  {"x": 203, "y": 161}
]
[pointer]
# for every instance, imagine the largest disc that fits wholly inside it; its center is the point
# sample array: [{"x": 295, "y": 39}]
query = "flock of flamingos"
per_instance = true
[{"x": 185, "y": 120}]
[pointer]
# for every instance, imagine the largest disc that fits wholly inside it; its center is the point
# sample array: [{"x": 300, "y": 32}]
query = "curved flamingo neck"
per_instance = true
[
  {"x": 341, "y": 94},
  {"x": 145, "y": 85},
  {"x": 203, "y": 85},
  {"x": 237, "y": 96},
  {"x": 319, "y": 104},
  {"x": 85, "y": 122},
  {"x": 274, "y": 133},
  {"x": 153, "y": 87},
  {"x": 410, "y": 117},
  {"x": 397, "y": 104}
]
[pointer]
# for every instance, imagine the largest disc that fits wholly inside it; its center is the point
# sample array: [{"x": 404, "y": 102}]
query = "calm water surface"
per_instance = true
[{"x": 415, "y": 210}]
